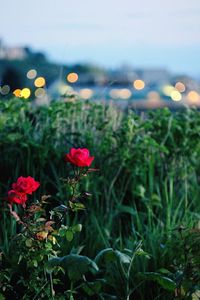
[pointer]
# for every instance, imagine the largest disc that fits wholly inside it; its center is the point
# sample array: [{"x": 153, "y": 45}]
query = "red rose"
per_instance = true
[
  {"x": 79, "y": 157},
  {"x": 16, "y": 197},
  {"x": 26, "y": 185}
]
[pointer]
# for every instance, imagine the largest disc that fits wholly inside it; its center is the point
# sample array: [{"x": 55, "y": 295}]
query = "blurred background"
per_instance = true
[{"x": 139, "y": 54}]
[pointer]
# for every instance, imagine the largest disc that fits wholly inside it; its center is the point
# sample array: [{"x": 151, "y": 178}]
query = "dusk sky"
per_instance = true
[{"x": 141, "y": 33}]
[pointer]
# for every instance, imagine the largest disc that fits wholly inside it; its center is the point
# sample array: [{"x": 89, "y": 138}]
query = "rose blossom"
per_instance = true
[
  {"x": 79, "y": 157},
  {"x": 17, "y": 197},
  {"x": 26, "y": 185}
]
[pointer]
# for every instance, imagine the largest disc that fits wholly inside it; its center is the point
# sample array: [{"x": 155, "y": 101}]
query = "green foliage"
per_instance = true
[
  {"x": 164, "y": 281},
  {"x": 75, "y": 265},
  {"x": 146, "y": 187}
]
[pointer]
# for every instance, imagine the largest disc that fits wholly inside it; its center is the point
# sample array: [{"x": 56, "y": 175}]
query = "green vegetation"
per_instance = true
[{"x": 141, "y": 233}]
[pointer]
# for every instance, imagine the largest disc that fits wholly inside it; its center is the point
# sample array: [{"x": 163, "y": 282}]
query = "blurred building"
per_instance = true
[{"x": 13, "y": 53}]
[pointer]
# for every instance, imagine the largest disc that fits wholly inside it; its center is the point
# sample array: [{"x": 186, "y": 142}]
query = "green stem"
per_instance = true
[
  {"x": 51, "y": 286},
  {"x": 71, "y": 291},
  {"x": 129, "y": 271}
]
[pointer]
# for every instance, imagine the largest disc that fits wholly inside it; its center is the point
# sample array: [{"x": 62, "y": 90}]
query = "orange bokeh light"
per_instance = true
[
  {"x": 39, "y": 82},
  {"x": 72, "y": 77},
  {"x": 138, "y": 84},
  {"x": 17, "y": 93}
]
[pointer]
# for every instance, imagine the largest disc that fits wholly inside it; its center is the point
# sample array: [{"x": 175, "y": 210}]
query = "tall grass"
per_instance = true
[{"x": 147, "y": 185}]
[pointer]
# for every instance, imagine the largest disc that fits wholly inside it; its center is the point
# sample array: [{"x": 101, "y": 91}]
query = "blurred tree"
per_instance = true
[{"x": 13, "y": 78}]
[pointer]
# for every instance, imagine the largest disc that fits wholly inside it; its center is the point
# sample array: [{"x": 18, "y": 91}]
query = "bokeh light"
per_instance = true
[
  {"x": 176, "y": 95},
  {"x": 72, "y": 77},
  {"x": 138, "y": 84},
  {"x": 86, "y": 93},
  {"x": 180, "y": 87},
  {"x": 125, "y": 93},
  {"x": 153, "y": 95},
  {"x": 39, "y": 82},
  {"x": 40, "y": 92},
  {"x": 31, "y": 74},
  {"x": 120, "y": 93},
  {"x": 114, "y": 93},
  {"x": 25, "y": 93},
  {"x": 193, "y": 97},
  {"x": 5, "y": 89},
  {"x": 168, "y": 89},
  {"x": 17, "y": 93}
]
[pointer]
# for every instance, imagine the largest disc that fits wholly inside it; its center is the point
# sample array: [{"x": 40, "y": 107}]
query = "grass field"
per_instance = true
[{"x": 144, "y": 208}]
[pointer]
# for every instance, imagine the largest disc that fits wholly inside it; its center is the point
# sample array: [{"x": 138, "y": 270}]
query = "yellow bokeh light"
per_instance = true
[
  {"x": 176, "y": 95},
  {"x": 86, "y": 93},
  {"x": 193, "y": 97},
  {"x": 5, "y": 89},
  {"x": 72, "y": 77},
  {"x": 139, "y": 84},
  {"x": 17, "y": 93},
  {"x": 180, "y": 87},
  {"x": 31, "y": 74},
  {"x": 25, "y": 93},
  {"x": 168, "y": 89},
  {"x": 40, "y": 92},
  {"x": 125, "y": 93},
  {"x": 39, "y": 82}
]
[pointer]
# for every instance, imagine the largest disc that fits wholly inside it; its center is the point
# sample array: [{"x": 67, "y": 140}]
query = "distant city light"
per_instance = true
[
  {"x": 153, "y": 95},
  {"x": 176, "y": 95},
  {"x": 180, "y": 87},
  {"x": 120, "y": 93},
  {"x": 40, "y": 92},
  {"x": 64, "y": 89},
  {"x": 31, "y": 74},
  {"x": 139, "y": 84},
  {"x": 39, "y": 82},
  {"x": 5, "y": 89},
  {"x": 125, "y": 93},
  {"x": 193, "y": 97},
  {"x": 114, "y": 93},
  {"x": 86, "y": 93},
  {"x": 72, "y": 77},
  {"x": 168, "y": 89},
  {"x": 25, "y": 93},
  {"x": 17, "y": 93}
]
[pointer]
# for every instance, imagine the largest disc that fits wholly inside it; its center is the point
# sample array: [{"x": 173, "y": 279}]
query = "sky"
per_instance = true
[{"x": 110, "y": 33}]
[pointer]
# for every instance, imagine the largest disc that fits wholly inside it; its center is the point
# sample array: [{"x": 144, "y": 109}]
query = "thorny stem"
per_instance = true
[
  {"x": 51, "y": 281},
  {"x": 77, "y": 176}
]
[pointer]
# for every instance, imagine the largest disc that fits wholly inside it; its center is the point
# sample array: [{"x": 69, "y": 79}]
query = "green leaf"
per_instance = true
[
  {"x": 105, "y": 255},
  {"x": 123, "y": 258},
  {"x": 77, "y": 228},
  {"x": 155, "y": 200},
  {"x": 126, "y": 209},
  {"x": 165, "y": 282},
  {"x": 28, "y": 243},
  {"x": 35, "y": 263},
  {"x": 48, "y": 246},
  {"x": 76, "y": 206},
  {"x": 69, "y": 235},
  {"x": 2, "y": 297},
  {"x": 92, "y": 288},
  {"x": 61, "y": 208},
  {"x": 164, "y": 271},
  {"x": 109, "y": 255},
  {"x": 62, "y": 230},
  {"x": 75, "y": 265},
  {"x": 141, "y": 252}
]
